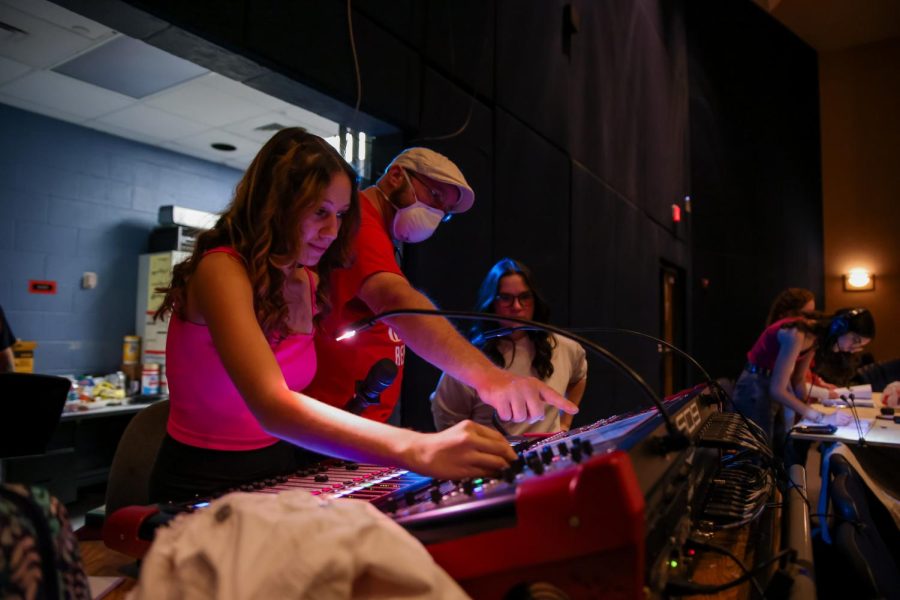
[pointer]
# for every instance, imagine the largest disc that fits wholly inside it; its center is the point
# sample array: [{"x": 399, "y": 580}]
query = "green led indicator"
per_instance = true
[{"x": 673, "y": 564}]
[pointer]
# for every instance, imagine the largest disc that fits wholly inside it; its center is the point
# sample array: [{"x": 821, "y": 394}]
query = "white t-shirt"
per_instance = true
[{"x": 454, "y": 401}]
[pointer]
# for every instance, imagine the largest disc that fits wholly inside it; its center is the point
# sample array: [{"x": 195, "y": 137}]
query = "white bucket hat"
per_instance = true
[{"x": 440, "y": 168}]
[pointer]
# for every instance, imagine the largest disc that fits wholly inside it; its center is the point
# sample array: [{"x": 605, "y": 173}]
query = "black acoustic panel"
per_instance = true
[
  {"x": 405, "y": 19},
  {"x": 533, "y": 78},
  {"x": 620, "y": 94},
  {"x": 532, "y": 208},
  {"x": 452, "y": 116},
  {"x": 198, "y": 50},
  {"x": 450, "y": 265},
  {"x": 459, "y": 38},
  {"x": 119, "y": 15},
  {"x": 216, "y": 20},
  {"x": 755, "y": 173},
  {"x": 309, "y": 41},
  {"x": 594, "y": 250},
  {"x": 639, "y": 290},
  {"x": 292, "y": 91}
]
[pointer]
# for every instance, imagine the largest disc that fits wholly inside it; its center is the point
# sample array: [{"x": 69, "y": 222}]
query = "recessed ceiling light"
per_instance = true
[{"x": 223, "y": 147}]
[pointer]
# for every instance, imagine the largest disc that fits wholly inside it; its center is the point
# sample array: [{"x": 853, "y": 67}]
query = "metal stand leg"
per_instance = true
[{"x": 822, "y": 509}]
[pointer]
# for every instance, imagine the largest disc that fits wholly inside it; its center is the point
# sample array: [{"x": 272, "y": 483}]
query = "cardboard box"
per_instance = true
[{"x": 24, "y": 356}]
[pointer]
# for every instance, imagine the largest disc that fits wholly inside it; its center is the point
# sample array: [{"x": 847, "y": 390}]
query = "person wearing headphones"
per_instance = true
[
  {"x": 419, "y": 190},
  {"x": 794, "y": 302},
  {"x": 774, "y": 378}
]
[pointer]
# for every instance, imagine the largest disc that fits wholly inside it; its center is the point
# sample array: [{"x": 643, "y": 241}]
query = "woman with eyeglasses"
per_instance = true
[
  {"x": 509, "y": 291},
  {"x": 774, "y": 378}
]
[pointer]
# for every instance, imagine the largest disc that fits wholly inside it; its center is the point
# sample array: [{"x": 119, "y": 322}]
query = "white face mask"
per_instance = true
[{"x": 416, "y": 222}]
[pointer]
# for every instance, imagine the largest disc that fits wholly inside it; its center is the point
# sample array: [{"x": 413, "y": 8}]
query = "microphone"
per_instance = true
[
  {"x": 673, "y": 441},
  {"x": 380, "y": 376},
  {"x": 851, "y": 402}
]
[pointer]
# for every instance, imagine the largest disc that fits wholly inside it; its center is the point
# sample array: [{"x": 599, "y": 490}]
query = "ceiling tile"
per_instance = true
[
  {"x": 206, "y": 104},
  {"x": 45, "y": 88},
  {"x": 45, "y": 43},
  {"x": 239, "y": 90},
  {"x": 10, "y": 69},
  {"x": 41, "y": 110},
  {"x": 64, "y": 18},
  {"x": 152, "y": 122},
  {"x": 203, "y": 140},
  {"x": 130, "y": 67}
]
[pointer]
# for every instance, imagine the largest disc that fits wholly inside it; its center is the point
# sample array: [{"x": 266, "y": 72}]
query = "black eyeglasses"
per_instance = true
[
  {"x": 525, "y": 298},
  {"x": 436, "y": 196}
]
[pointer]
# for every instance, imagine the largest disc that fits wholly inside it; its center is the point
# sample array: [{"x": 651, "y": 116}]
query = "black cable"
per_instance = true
[
  {"x": 676, "y": 439},
  {"x": 689, "y": 588}
]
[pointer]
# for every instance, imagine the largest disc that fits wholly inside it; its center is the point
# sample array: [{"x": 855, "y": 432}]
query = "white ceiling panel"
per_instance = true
[
  {"x": 311, "y": 121},
  {"x": 57, "y": 15},
  {"x": 239, "y": 90},
  {"x": 152, "y": 122},
  {"x": 202, "y": 142},
  {"x": 59, "y": 92},
  {"x": 129, "y": 134},
  {"x": 10, "y": 69},
  {"x": 44, "y": 45},
  {"x": 205, "y": 104},
  {"x": 185, "y": 117},
  {"x": 247, "y": 128},
  {"x": 41, "y": 110}
]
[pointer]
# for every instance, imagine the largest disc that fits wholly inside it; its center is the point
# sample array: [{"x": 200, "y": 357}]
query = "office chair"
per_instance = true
[
  {"x": 857, "y": 536},
  {"x": 32, "y": 405},
  {"x": 129, "y": 475}
]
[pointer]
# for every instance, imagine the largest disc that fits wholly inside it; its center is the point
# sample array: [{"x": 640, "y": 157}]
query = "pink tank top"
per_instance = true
[
  {"x": 765, "y": 350},
  {"x": 206, "y": 409}
]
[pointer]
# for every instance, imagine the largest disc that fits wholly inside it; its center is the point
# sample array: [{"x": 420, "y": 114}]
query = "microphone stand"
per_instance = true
[
  {"x": 675, "y": 439},
  {"x": 851, "y": 402}
]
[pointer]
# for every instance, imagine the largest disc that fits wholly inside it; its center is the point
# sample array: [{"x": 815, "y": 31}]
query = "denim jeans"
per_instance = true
[{"x": 752, "y": 399}]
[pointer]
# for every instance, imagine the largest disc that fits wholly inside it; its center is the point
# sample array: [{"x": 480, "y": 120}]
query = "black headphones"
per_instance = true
[{"x": 841, "y": 323}]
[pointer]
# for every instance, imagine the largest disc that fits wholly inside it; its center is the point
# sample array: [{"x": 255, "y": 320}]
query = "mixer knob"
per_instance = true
[
  {"x": 517, "y": 465},
  {"x": 468, "y": 487},
  {"x": 351, "y": 466},
  {"x": 563, "y": 449},
  {"x": 508, "y": 475},
  {"x": 436, "y": 495},
  {"x": 547, "y": 455},
  {"x": 576, "y": 451},
  {"x": 321, "y": 477},
  {"x": 536, "y": 465},
  {"x": 531, "y": 457},
  {"x": 587, "y": 448}
]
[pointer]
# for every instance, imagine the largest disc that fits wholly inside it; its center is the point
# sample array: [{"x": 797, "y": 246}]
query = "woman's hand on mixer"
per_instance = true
[{"x": 465, "y": 450}]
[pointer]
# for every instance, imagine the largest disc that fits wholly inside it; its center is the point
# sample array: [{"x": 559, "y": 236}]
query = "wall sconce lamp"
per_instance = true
[{"x": 859, "y": 280}]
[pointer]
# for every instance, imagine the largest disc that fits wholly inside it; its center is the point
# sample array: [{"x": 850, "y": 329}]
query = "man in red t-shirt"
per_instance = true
[{"x": 419, "y": 190}]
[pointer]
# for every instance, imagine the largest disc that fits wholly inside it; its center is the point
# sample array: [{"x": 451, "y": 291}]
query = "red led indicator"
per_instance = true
[{"x": 676, "y": 213}]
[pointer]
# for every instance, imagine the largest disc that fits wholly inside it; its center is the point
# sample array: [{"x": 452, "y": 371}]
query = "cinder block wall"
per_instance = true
[{"x": 73, "y": 200}]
